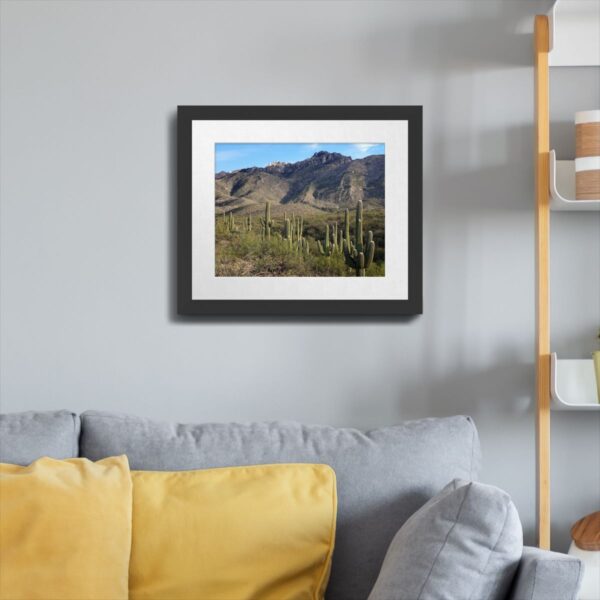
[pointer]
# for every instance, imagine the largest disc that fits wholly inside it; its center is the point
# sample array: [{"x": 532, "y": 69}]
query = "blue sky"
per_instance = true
[{"x": 230, "y": 157}]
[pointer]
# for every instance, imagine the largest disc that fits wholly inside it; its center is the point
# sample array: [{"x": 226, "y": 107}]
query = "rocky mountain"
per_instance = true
[{"x": 326, "y": 181}]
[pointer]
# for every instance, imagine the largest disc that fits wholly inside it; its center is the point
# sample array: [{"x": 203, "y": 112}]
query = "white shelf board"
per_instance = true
[
  {"x": 573, "y": 384},
  {"x": 562, "y": 187},
  {"x": 574, "y": 33}
]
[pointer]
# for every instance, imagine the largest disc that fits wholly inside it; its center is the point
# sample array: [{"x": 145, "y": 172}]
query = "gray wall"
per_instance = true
[{"x": 89, "y": 91}]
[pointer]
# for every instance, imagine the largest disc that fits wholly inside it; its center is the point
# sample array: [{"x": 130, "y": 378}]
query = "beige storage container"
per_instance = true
[{"x": 587, "y": 155}]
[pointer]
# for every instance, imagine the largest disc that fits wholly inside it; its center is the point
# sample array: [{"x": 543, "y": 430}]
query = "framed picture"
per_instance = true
[{"x": 300, "y": 210}]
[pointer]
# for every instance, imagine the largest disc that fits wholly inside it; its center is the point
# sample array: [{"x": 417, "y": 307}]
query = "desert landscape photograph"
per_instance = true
[{"x": 300, "y": 210}]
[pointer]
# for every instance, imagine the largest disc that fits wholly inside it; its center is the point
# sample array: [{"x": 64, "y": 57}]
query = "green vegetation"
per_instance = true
[
  {"x": 311, "y": 244},
  {"x": 266, "y": 223},
  {"x": 357, "y": 255}
]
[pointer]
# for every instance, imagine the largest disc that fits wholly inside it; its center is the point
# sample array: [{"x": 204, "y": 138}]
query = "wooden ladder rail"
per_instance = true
[{"x": 542, "y": 244}]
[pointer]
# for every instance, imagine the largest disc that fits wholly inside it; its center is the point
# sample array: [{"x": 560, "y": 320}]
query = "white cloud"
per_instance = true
[{"x": 362, "y": 148}]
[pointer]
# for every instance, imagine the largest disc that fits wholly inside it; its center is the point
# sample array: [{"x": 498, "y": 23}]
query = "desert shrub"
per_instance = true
[{"x": 245, "y": 253}]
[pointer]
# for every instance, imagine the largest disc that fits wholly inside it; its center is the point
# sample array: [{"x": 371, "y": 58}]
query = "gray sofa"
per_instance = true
[{"x": 383, "y": 476}]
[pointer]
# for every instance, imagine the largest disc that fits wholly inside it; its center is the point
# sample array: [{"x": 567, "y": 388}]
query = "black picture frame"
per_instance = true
[{"x": 186, "y": 305}]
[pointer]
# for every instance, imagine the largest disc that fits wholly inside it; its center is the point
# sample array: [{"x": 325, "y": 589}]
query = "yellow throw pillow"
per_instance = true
[
  {"x": 240, "y": 533},
  {"x": 65, "y": 529}
]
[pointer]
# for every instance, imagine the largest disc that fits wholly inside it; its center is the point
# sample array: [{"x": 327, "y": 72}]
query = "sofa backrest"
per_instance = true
[
  {"x": 383, "y": 476},
  {"x": 27, "y": 436}
]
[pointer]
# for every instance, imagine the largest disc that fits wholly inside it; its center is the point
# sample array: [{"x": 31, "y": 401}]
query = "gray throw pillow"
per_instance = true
[
  {"x": 464, "y": 544},
  {"x": 27, "y": 436}
]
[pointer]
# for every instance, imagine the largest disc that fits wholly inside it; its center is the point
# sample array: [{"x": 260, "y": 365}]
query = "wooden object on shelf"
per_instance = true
[
  {"x": 542, "y": 212},
  {"x": 587, "y": 139},
  {"x": 587, "y": 182},
  {"x": 586, "y": 532},
  {"x": 587, "y": 133},
  {"x": 587, "y": 154}
]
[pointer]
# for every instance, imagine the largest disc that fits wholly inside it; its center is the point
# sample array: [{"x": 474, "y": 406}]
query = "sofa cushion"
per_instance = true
[
  {"x": 27, "y": 436},
  {"x": 383, "y": 476},
  {"x": 65, "y": 530},
  {"x": 465, "y": 543},
  {"x": 546, "y": 575},
  {"x": 264, "y": 532}
]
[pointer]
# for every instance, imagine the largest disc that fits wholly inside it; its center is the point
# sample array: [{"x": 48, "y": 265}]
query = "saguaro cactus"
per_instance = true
[
  {"x": 303, "y": 246},
  {"x": 357, "y": 255},
  {"x": 347, "y": 225},
  {"x": 266, "y": 222},
  {"x": 289, "y": 233},
  {"x": 294, "y": 236},
  {"x": 325, "y": 249},
  {"x": 333, "y": 241},
  {"x": 338, "y": 244},
  {"x": 231, "y": 226}
]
